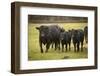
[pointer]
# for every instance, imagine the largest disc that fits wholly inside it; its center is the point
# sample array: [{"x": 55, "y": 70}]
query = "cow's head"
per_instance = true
[
  {"x": 74, "y": 32},
  {"x": 43, "y": 30},
  {"x": 62, "y": 36},
  {"x": 62, "y": 30}
]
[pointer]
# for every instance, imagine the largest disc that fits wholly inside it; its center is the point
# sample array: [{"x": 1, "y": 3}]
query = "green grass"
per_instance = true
[{"x": 34, "y": 49}]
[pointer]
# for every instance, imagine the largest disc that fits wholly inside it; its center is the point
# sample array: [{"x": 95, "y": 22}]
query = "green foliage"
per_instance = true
[{"x": 34, "y": 49}]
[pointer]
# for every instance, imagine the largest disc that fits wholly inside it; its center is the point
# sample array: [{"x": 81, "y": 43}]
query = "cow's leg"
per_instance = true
[
  {"x": 82, "y": 46},
  {"x": 41, "y": 47},
  {"x": 47, "y": 47},
  {"x": 62, "y": 47},
  {"x": 78, "y": 45},
  {"x": 66, "y": 47},
  {"x": 69, "y": 46},
  {"x": 86, "y": 39},
  {"x": 59, "y": 45},
  {"x": 74, "y": 47},
  {"x": 55, "y": 45},
  {"x": 52, "y": 44}
]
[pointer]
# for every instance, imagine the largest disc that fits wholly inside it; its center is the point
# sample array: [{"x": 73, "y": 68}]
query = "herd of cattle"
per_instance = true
[{"x": 55, "y": 35}]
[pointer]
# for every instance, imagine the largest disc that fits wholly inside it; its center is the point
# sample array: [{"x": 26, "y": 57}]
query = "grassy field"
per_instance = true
[{"x": 34, "y": 49}]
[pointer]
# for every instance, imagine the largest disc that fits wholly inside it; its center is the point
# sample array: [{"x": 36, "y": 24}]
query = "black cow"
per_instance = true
[
  {"x": 69, "y": 38},
  {"x": 78, "y": 38},
  {"x": 58, "y": 44},
  {"x": 65, "y": 38},
  {"x": 86, "y": 33},
  {"x": 49, "y": 35}
]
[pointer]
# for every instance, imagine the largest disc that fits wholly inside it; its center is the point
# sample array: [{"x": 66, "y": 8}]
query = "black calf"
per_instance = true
[
  {"x": 65, "y": 38},
  {"x": 78, "y": 38}
]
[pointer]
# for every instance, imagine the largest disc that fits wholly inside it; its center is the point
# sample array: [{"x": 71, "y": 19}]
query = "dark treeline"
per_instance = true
[{"x": 55, "y": 19}]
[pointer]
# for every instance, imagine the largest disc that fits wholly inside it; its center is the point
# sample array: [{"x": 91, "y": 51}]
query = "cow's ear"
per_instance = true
[{"x": 38, "y": 28}]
